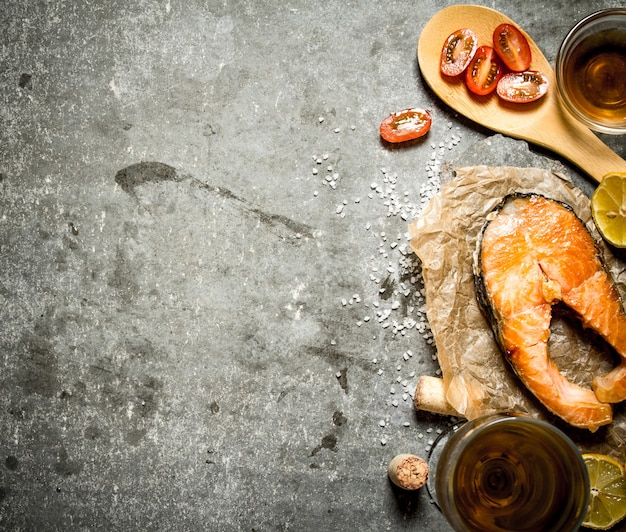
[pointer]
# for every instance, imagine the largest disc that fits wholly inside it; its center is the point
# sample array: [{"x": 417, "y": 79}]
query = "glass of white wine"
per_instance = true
[
  {"x": 509, "y": 472},
  {"x": 590, "y": 71}
]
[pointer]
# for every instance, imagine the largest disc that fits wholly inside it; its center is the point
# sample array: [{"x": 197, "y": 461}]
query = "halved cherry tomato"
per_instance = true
[
  {"x": 512, "y": 47},
  {"x": 523, "y": 87},
  {"x": 457, "y": 52},
  {"x": 407, "y": 124},
  {"x": 484, "y": 71}
]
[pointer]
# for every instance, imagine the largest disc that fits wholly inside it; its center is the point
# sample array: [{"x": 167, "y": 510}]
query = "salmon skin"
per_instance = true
[{"x": 533, "y": 252}]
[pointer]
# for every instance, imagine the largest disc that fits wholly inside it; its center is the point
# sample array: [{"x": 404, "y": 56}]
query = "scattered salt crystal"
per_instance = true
[{"x": 382, "y": 423}]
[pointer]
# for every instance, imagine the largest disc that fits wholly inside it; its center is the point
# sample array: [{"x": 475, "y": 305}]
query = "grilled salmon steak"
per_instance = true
[{"x": 534, "y": 252}]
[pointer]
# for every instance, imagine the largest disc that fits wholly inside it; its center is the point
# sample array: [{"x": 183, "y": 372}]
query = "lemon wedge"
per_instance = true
[
  {"x": 608, "y": 208},
  {"x": 607, "y": 503}
]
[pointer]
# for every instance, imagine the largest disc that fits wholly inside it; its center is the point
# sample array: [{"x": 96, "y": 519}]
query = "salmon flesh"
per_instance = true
[{"x": 532, "y": 253}]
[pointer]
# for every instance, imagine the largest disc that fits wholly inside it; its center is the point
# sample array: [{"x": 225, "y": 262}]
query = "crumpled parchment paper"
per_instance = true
[{"x": 477, "y": 378}]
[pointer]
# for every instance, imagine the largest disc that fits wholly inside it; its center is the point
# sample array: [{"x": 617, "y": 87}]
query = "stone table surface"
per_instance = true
[{"x": 210, "y": 315}]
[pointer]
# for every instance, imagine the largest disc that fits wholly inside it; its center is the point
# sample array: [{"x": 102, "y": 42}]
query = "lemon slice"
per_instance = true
[
  {"x": 608, "y": 207},
  {"x": 607, "y": 504}
]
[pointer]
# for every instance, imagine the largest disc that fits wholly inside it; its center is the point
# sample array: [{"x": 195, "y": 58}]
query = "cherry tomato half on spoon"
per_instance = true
[
  {"x": 407, "y": 124},
  {"x": 484, "y": 71},
  {"x": 522, "y": 87},
  {"x": 457, "y": 52},
  {"x": 512, "y": 47}
]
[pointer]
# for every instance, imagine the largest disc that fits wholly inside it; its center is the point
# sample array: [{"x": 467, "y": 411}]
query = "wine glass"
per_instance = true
[{"x": 505, "y": 472}]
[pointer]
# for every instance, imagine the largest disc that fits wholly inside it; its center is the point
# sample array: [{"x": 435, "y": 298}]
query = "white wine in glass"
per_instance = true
[{"x": 511, "y": 473}]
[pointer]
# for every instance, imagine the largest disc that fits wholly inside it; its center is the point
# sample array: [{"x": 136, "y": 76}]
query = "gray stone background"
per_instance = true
[{"x": 210, "y": 318}]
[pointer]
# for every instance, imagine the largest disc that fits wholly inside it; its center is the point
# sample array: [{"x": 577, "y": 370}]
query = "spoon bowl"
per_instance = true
[{"x": 545, "y": 122}]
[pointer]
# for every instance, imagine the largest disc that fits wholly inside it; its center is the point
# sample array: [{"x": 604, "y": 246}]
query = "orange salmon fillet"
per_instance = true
[{"x": 535, "y": 251}]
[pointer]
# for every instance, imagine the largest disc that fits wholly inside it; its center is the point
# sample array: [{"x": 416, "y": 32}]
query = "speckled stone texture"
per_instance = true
[{"x": 209, "y": 314}]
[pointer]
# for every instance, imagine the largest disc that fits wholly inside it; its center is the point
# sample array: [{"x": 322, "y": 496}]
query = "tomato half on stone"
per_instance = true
[{"x": 404, "y": 125}]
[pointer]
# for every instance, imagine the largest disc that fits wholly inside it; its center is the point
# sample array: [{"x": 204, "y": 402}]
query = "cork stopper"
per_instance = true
[{"x": 408, "y": 471}]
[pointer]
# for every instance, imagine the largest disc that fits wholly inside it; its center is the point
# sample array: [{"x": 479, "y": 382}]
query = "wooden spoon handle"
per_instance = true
[{"x": 563, "y": 134}]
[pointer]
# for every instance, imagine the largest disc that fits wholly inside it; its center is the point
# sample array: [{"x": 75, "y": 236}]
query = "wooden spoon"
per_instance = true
[{"x": 545, "y": 122}]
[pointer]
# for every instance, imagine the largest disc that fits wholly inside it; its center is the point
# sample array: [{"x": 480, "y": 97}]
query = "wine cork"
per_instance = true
[
  {"x": 408, "y": 471},
  {"x": 430, "y": 396}
]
